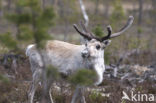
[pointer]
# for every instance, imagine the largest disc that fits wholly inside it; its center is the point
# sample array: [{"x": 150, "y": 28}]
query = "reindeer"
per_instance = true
[{"x": 68, "y": 58}]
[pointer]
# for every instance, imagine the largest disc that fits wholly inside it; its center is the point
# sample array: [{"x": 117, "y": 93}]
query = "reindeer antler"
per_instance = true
[{"x": 88, "y": 35}]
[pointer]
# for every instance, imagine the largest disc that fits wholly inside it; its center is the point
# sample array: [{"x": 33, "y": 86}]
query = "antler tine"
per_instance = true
[
  {"x": 109, "y": 29},
  {"x": 128, "y": 24},
  {"x": 83, "y": 26},
  {"x": 87, "y": 31},
  {"x": 82, "y": 33}
]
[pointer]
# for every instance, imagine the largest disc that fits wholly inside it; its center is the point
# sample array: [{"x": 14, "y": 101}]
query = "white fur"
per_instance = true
[
  {"x": 67, "y": 58},
  {"x": 99, "y": 68},
  {"x": 69, "y": 63},
  {"x": 28, "y": 48}
]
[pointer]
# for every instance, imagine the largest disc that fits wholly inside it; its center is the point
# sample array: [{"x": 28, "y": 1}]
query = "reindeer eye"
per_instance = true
[{"x": 97, "y": 47}]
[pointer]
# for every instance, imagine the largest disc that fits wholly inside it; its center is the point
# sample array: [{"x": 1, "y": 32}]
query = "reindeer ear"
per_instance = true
[{"x": 106, "y": 42}]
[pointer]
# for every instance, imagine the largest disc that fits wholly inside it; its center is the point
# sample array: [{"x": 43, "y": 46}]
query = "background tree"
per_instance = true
[
  {"x": 140, "y": 9},
  {"x": 67, "y": 14},
  {"x": 117, "y": 14},
  {"x": 32, "y": 23}
]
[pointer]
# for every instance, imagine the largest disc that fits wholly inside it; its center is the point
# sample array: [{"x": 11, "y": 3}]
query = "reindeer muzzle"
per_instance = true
[{"x": 85, "y": 54}]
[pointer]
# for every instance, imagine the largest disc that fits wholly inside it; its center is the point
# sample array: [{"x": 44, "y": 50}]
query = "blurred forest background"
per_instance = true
[
  {"x": 23, "y": 22},
  {"x": 17, "y": 20}
]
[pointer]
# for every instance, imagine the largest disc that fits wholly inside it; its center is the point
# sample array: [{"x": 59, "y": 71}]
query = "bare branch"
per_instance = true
[{"x": 85, "y": 16}]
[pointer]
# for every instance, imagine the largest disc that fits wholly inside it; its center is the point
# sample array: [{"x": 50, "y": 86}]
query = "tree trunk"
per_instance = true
[
  {"x": 66, "y": 30},
  {"x": 8, "y": 5},
  {"x": 134, "y": 8},
  {"x": 96, "y": 7},
  {"x": 85, "y": 16},
  {"x": 153, "y": 15},
  {"x": 106, "y": 8},
  {"x": 62, "y": 13},
  {"x": 140, "y": 9},
  {"x": 52, "y": 2},
  {"x": 61, "y": 8},
  {"x": 140, "y": 12},
  {"x": 43, "y": 4},
  {"x": 1, "y": 9},
  {"x": 18, "y": 11}
]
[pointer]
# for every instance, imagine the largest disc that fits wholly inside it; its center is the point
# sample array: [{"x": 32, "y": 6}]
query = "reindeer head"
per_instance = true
[
  {"x": 94, "y": 47},
  {"x": 96, "y": 44}
]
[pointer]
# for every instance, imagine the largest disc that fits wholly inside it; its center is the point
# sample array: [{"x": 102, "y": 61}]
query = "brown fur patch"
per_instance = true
[{"x": 61, "y": 48}]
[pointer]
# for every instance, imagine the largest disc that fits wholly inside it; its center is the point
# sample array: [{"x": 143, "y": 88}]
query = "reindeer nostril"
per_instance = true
[{"x": 84, "y": 54}]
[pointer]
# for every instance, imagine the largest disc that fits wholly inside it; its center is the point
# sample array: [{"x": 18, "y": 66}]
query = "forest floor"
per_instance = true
[{"x": 130, "y": 78}]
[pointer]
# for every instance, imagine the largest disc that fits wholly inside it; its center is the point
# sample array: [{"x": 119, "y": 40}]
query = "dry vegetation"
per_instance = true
[{"x": 110, "y": 91}]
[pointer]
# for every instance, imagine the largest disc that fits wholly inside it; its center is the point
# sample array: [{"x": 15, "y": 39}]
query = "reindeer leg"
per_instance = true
[
  {"x": 51, "y": 96},
  {"x": 35, "y": 82},
  {"x": 83, "y": 99},
  {"x": 31, "y": 93},
  {"x": 79, "y": 92},
  {"x": 82, "y": 95},
  {"x": 50, "y": 81},
  {"x": 76, "y": 94},
  {"x": 47, "y": 97}
]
